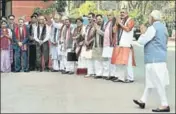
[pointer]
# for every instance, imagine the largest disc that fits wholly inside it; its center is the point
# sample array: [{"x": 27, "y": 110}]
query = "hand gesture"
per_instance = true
[
  {"x": 40, "y": 42},
  {"x": 20, "y": 44},
  {"x": 143, "y": 29},
  {"x": 96, "y": 26}
]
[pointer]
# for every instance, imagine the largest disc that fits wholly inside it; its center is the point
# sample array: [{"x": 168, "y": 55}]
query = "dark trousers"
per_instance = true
[
  {"x": 21, "y": 60},
  {"x": 42, "y": 50},
  {"x": 32, "y": 57},
  {"x": 13, "y": 63}
]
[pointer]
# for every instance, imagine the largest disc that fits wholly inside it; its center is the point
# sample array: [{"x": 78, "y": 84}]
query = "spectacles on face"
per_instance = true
[
  {"x": 122, "y": 12},
  {"x": 11, "y": 19}
]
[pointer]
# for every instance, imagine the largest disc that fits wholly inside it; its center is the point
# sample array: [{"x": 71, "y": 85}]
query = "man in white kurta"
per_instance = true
[
  {"x": 55, "y": 43},
  {"x": 154, "y": 40},
  {"x": 123, "y": 56}
]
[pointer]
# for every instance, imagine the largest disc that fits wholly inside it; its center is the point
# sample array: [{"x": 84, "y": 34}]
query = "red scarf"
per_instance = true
[{"x": 17, "y": 33}]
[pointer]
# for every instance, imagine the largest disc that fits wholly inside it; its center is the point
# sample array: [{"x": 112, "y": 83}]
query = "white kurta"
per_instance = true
[
  {"x": 156, "y": 74},
  {"x": 54, "y": 49},
  {"x": 153, "y": 70}
]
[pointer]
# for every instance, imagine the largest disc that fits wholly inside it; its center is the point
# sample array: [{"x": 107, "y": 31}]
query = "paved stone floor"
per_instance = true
[{"x": 48, "y": 92}]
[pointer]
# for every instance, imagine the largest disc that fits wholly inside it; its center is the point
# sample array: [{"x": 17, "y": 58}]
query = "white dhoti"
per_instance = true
[
  {"x": 81, "y": 62},
  {"x": 55, "y": 57},
  {"x": 108, "y": 68},
  {"x": 98, "y": 65},
  {"x": 125, "y": 71},
  {"x": 90, "y": 67},
  {"x": 157, "y": 76}
]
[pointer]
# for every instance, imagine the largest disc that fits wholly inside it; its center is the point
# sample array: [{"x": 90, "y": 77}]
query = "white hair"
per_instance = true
[{"x": 156, "y": 15}]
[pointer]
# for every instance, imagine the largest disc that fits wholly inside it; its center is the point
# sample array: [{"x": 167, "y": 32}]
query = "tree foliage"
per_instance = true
[{"x": 59, "y": 5}]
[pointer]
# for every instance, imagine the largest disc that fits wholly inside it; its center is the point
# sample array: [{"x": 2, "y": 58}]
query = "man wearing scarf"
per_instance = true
[
  {"x": 32, "y": 45},
  {"x": 21, "y": 40},
  {"x": 41, "y": 36},
  {"x": 89, "y": 41},
  {"x": 67, "y": 46},
  {"x": 5, "y": 40},
  {"x": 108, "y": 44},
  {"x": 78, "y": 37},
  {"x": 55, "y": 43},
  {"x": 98, "y": 46},
  {"x": 12, "y": 25},
  {"x": 123, "y": 54}
]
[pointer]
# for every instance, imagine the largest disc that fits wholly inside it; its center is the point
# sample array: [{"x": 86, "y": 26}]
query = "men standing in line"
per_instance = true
[
  {"x": 108, "y": 44},
  {"x": 21, "y": 40},
  {"x": 89, "y": 40},
  {"x": 32, "y": 44},
  {"x": 41, "y": 36},
  {"x": 12, "y": 25},
  {"x": 55, "y": 42},
  {"x": 79, "y": 37},
  {"x": 5, "y": 46},
  {"x": 67, "y": 46},
  {"x": 123, "y": 54},
  {"x": 154, "y": 40},
  {"x": 98, "y": 46}
]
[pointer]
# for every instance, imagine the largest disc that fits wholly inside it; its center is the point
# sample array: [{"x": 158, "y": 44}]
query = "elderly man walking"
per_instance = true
[{"x": 154, "y": 39}]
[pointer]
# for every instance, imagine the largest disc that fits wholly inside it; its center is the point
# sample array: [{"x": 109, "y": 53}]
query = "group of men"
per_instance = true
[{"x": 103, "y": 49}]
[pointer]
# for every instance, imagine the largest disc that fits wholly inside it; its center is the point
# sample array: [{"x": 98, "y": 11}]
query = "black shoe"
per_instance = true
[
  {"x": 109, "y": 78},
  {"x": 104, "y": 77},
  {"x": 98, "y": 77},
  {"x": 26, "y": 70},
  {"x": 17, "y": 71},
  {"x": 161, "y": 110},
  {"x": 41, "y": 70},
  {"x": 71, "y": 73},
  {"x": 141, "y": 105},
  {"x": 54, "y": 71},
  {"x": 115, "y": 78},
  {"x": 47, "y": 69},
  {"x": 128, "y": 81},
  {"x": 65, "y": 72}
]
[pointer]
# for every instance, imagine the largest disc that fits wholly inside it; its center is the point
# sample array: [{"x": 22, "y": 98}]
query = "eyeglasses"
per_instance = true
[
  {"x": 122, "y": 12},
  {"x": 11, "y": 19}
]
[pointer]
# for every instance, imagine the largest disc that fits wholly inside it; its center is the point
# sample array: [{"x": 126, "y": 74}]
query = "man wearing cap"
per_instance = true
[{"x": 154, "y": 39}]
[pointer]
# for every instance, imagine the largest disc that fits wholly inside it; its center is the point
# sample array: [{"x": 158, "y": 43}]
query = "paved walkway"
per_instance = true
[
  {"x": 48, "y": 92},
  {"x": 55, "y": 93}
]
